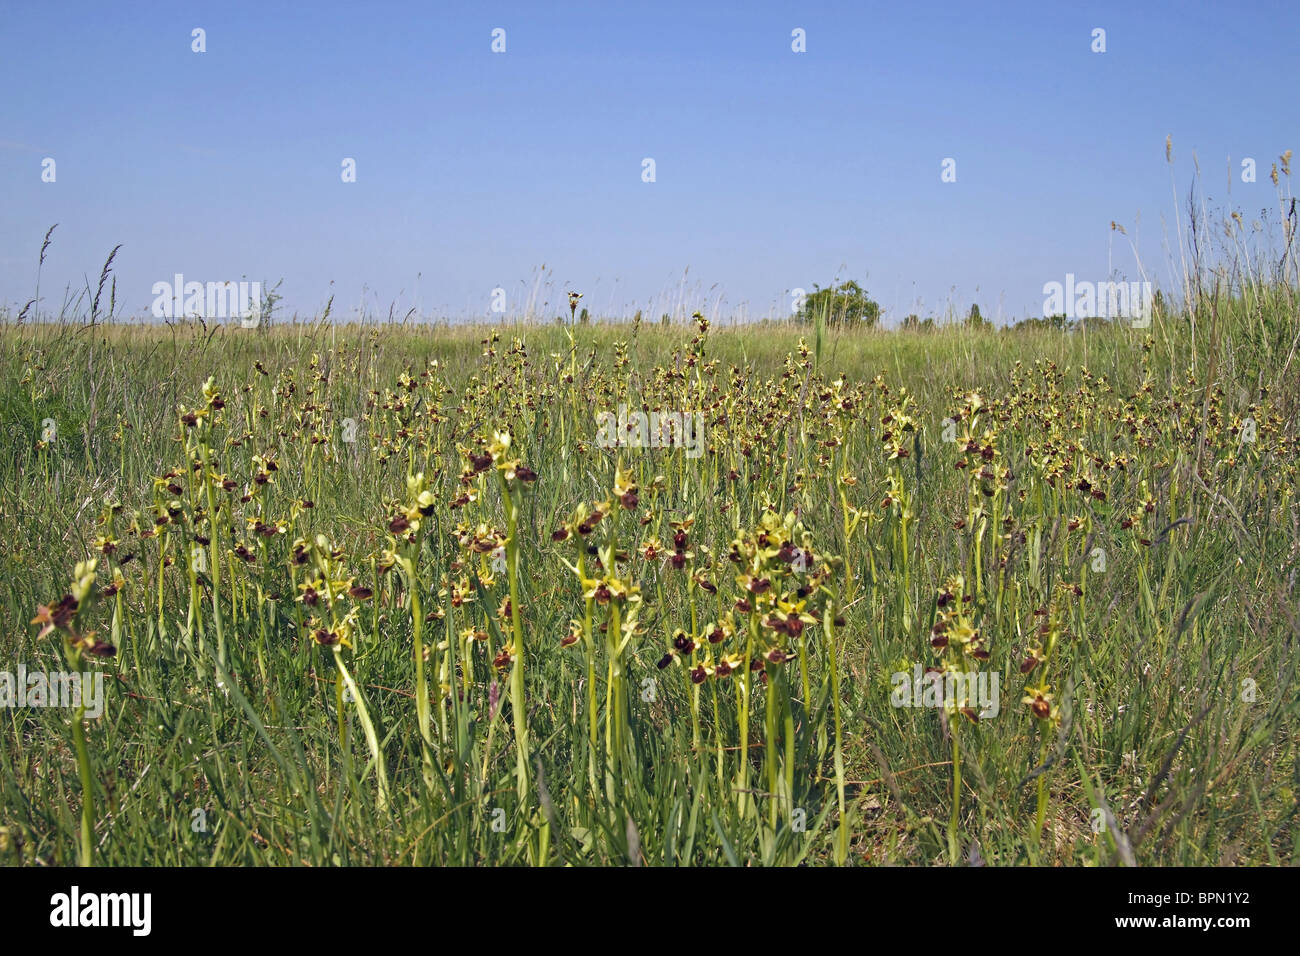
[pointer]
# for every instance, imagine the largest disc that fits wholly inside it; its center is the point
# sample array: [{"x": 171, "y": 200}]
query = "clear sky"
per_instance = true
[{"x": 773, "y": 170}]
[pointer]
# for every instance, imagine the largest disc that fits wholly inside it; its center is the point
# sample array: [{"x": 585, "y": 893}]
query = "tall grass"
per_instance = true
[{"x": 375, "y": 595}]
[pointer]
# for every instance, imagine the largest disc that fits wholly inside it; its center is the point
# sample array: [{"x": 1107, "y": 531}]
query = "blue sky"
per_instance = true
[{"x": 774, "y": 170}]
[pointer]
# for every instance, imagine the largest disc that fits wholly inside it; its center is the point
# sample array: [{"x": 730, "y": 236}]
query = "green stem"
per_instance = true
[
  {"x": 85, "y": 855},
  {"x": 1040, "y": 819},
  {"x": 745, "y": 685},
  {"x": 215, "y": 548},
  {"x": 842, "y": 835},
  {"x": 517, "y": 703},
  {"x": 954, "y": 849},
  {"x": 769, "y": 749}
]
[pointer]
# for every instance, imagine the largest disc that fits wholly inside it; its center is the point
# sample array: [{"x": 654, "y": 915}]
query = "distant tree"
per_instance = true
[
  {"x": 583, "y": 317},
  {"x": 912, "y": 322},
  {"x": 1057, "y": 323},
  {"x": 976, "y": 321},
  {"x": 270, "y": 300},
  {"x": 844, "y": 305}
]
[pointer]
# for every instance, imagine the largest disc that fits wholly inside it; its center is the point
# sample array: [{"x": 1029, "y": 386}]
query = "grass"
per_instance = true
[{"x": 440, "y": 642}]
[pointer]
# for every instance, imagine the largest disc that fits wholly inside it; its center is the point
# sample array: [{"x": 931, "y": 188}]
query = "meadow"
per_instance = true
[{"x": 386, "y": 595}]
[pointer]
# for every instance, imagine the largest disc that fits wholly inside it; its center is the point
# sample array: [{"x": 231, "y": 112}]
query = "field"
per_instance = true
[{"x": 392, "y": 595}]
